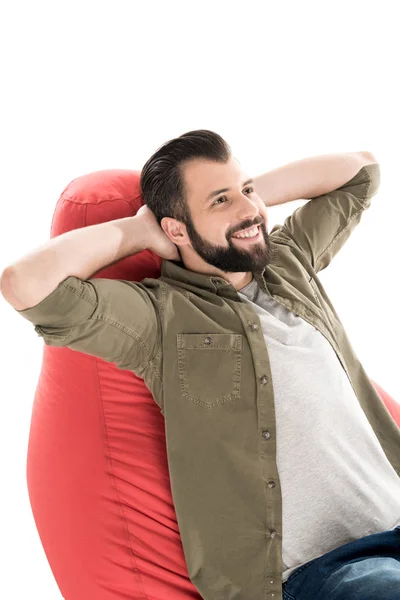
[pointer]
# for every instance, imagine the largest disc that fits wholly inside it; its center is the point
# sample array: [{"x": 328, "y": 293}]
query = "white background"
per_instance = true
[{"x": 101, "y": 85}]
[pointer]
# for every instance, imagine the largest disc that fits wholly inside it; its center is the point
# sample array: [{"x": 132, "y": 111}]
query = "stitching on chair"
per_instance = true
[{"x": 135, "y": 569}]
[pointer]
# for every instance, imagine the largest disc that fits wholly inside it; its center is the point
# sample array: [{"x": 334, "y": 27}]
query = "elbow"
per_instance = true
[
  {"x": 368, "y": 158},
  {"x": 8, "y": 287},
  {"x": 5, "y": 280}
]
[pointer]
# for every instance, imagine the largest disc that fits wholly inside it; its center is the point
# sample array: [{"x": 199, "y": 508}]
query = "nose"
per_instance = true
[{"x": 247, "y": 212}]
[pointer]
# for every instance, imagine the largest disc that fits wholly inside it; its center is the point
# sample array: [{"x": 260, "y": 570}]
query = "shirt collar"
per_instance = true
[{"x": 175, "y": 271}]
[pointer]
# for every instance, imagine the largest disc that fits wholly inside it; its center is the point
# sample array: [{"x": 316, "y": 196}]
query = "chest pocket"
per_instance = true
[{"x": 210, "y": 367}]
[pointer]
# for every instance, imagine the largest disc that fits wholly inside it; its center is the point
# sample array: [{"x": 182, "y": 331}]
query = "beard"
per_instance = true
[{"x": 232, "y": 259}]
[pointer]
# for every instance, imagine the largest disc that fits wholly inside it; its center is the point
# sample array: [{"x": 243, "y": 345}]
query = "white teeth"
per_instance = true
[{"x": 251, "y": 233}]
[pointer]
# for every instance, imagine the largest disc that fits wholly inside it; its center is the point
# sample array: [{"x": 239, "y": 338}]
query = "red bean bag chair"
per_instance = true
[{"x": 97, "y": 468}]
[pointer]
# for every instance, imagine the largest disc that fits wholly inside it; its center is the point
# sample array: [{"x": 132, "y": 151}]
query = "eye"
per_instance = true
[{"x": 220, "y": 198}]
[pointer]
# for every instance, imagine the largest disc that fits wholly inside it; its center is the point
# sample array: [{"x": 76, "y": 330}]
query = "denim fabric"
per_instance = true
[{"x": 366, "y": 569}]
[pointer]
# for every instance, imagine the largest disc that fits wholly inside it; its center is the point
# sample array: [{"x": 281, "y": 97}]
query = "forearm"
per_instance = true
[
  {"x": 310, "y": 177},
  {"x": 81, "y": 252}
]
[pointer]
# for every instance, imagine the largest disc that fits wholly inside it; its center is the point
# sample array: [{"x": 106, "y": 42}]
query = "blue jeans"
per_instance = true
[{"x": 366, "y": 569}]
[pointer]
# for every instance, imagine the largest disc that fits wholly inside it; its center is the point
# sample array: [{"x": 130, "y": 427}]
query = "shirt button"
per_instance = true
[
  {"x": 254, "y": 326},
  {"x": 264, "y": 379},
  {"x": 271, "y": 483},
  {"x": 273, "y": 534},
  {"x": 266, "y": 434},
  {"x": 207, "y": 340}
]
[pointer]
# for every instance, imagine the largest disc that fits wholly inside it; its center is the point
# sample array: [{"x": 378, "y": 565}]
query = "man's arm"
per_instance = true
[
  {"x": 320, "y": 227},
  {"x": 310, "y": 177},
  {"x": 82, "y": 253},
  {"x": 116, "y": 320}
]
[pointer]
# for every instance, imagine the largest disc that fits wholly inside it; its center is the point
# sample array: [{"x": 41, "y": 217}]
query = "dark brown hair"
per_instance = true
[{"x": 161, "y": 180}]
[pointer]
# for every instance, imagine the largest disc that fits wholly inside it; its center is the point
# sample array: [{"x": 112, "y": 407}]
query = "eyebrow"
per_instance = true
[{"x": 225, "y": 190}]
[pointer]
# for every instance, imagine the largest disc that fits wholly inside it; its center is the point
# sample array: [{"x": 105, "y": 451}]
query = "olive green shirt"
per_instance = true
[{"x": 201, "y": 352}]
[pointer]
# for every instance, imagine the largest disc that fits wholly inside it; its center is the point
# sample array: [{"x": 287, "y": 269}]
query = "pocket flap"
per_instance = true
[{"x": 199, "y": 341}]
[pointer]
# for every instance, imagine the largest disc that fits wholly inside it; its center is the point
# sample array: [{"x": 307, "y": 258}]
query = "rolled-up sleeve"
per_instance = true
[
  {"x": 321, "y": 226},
  {"x": 116, "y": 320}
]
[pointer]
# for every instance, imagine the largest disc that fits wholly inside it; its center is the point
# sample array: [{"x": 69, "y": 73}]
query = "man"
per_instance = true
[{"x": 284, "y": 462}]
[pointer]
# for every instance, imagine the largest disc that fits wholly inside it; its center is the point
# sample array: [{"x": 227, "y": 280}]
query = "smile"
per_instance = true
[{"x": 254, "y": 233}]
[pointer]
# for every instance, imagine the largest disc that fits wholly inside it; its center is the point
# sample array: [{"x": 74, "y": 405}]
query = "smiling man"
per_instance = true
[
  {"x": 231, "y": 223},
  {"x": 284, "y": 462}
]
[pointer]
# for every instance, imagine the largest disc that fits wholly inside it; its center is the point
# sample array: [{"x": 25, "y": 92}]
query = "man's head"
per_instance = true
[{"x": 178, "y": 184}]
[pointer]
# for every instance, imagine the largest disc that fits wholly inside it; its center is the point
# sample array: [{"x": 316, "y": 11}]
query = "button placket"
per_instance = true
[{"x": 266, "y": 435}]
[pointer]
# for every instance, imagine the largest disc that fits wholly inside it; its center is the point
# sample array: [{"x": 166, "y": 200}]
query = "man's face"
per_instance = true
[{"x": 214, "y": 221}]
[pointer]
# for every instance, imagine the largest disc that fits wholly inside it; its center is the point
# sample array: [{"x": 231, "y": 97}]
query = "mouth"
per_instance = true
[{"x": 249, "y": 240}]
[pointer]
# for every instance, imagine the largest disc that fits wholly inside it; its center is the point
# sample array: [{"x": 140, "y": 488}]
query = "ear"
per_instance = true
[{"x": 175, "y": 230}]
